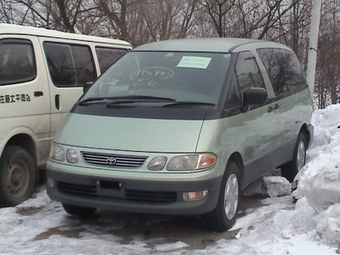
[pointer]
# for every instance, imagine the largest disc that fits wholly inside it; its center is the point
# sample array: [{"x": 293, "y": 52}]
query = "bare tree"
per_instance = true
[
  {"x": 142, "y": 21},
  {"x": 175, "y": 18},
  {"x": 116, "y": 13},
  {"x": 6, "y": 11},
  {"x": 218, "y": 11}
]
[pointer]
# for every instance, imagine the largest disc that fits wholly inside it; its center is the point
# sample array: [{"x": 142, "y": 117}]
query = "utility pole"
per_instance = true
[{"x": 313, "y": 44}]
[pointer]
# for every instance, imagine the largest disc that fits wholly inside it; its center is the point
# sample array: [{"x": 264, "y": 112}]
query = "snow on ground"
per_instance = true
[{"x": 311, "y": 225}]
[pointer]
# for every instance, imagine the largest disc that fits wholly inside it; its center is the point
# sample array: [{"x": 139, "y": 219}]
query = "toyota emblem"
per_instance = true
[{"x": 111, "y": 161}]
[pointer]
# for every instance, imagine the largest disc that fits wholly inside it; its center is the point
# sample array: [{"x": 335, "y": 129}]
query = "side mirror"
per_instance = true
[
  {"x": 86, "y": 86},
  {"x": 254, "y": 96}
]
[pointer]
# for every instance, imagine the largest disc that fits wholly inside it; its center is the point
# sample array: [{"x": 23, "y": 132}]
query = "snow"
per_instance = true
[{"x": 304, "y": 222}]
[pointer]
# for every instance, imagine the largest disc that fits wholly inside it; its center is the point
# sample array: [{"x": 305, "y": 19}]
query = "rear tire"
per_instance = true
[
  {"x": 223, "y": 217},
  {"x": 290, "y": 169},
  {"x": 18, "y": 176},
  {"x": 78, "y": 210}
]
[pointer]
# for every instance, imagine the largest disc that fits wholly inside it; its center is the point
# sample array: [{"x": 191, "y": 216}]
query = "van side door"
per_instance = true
[
  {"x": 254, "y": 132},
  {"x": 70, "y": 66},
  {"x": 284, "y": 73}
]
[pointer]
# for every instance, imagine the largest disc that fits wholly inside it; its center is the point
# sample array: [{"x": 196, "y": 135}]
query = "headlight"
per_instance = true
[
  {"x": 191, "y": 162},
  {"x": 157, "y": 163},
  {"x": 72, "y": 156},
  {"x": 57, "y": 152}
]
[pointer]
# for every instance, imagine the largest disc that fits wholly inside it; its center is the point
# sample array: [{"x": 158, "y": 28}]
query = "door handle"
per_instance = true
[
  {"x": 57, "y": 102},
  {"x": 273, "y": 108},
  {"x": 38, "y": 93}
]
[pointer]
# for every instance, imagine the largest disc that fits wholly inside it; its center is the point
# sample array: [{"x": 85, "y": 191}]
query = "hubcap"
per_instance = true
[
  {"x": 301, "y": 155},
  {"x": 231, "y": 197},
  {"x": 17, "y": 175}
]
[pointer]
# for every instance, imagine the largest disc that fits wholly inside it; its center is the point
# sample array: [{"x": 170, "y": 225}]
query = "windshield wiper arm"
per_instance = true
[
  {"x": 189, "y": 103},
  {"x": 130, "y": 99}
]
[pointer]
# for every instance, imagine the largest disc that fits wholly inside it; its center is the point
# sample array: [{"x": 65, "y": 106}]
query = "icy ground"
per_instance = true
[{"x": 280, "y": 226}]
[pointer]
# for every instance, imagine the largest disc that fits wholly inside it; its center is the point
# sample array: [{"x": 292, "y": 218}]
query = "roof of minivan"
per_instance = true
[
  {"x": 9, "y": 29},
  {"x": 206, "y": 45}
]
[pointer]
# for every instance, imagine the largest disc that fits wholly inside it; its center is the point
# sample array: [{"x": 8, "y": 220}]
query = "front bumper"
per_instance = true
[{"x": 159, "y": 197}]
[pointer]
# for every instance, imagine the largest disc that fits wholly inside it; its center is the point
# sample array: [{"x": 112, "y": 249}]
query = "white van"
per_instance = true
[{"x": 42, "y": 73}]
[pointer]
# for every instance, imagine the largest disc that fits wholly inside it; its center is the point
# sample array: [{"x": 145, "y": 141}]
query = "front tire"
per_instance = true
[
  {"x": 290, "y": 169},
  {"x": 224, "y": 215},
  {"x": 18, "y": 176}
]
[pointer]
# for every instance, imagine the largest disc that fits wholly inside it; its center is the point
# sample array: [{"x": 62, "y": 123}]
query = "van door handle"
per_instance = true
[
  {"x": 57, "y": 102},
  {"x": 273, "y": 108},
  {"x": 38, "y": 93}
]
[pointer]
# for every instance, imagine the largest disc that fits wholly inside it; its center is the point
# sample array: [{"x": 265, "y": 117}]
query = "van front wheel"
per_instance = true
[
  {"x": 17, "y": 176},
  {"x": 225, "y": 213}
]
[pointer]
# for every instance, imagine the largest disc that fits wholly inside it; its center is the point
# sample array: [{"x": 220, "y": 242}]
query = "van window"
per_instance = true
[
  {"x": 284, "y": 71},
  {"x": 107, "y": 56},
  {"x": 70, "y": 65},
  {"x": 234, "y": 98},
  {"x": 248, "y": 73},
  {"x": 17, "y": 62}
]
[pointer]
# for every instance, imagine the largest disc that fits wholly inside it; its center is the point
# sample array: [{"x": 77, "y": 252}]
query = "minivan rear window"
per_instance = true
[{"x": 17, "y": 61}]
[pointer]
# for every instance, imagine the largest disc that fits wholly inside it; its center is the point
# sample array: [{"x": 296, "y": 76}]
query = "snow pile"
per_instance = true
[{"x": 319, "y": 180}]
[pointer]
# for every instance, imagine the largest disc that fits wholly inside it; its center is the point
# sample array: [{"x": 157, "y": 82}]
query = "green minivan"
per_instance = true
[{"x": 182, "y": 127}]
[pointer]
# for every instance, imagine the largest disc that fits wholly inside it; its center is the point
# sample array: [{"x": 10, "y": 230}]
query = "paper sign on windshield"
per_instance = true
[{"x": 194, "y": 62}]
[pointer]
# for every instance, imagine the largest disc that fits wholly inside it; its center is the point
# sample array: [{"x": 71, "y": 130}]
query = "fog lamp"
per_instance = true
[{"x": 195, "y": 195}]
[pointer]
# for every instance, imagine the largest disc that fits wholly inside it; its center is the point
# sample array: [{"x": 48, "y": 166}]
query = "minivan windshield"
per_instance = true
[{"x": 173, "y": 78}]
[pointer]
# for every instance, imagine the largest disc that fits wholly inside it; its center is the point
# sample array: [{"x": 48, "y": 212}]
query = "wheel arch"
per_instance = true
[
  {"x": 21, "y": 137},
  {"x": 26, "y": 142},
  {"x": 237, "y": 159},
  {"x": 305, "y": 131}
]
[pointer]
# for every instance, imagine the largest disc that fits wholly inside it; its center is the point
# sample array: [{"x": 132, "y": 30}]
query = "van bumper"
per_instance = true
[{"x": 159, "y": 197}]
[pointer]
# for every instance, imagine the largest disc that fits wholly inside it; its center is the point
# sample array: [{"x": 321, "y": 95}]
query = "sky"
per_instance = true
[{"x": 306, "y": 221}]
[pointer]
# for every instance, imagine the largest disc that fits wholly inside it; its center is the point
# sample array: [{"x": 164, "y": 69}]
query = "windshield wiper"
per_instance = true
[
  {"x": 91, "y": 99},
  {"x": 188, "y": 103},
  {"x": 139, "y": 99},
  {"x": 127, "y": 99}
]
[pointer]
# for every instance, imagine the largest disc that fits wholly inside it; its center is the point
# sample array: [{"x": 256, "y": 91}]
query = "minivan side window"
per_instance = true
[
  {"x": 248, "y": 73},
  {"x": 17, "y": 61},
  {"x": 284, "y": 70},
  {"x": 107, "y": 56},
  {"x": 69, "y": 65},
  {"x": 234, "y": 98}
]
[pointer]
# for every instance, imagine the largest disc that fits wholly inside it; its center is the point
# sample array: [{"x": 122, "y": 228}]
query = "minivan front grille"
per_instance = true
[{"x": 113, "y": 160}]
